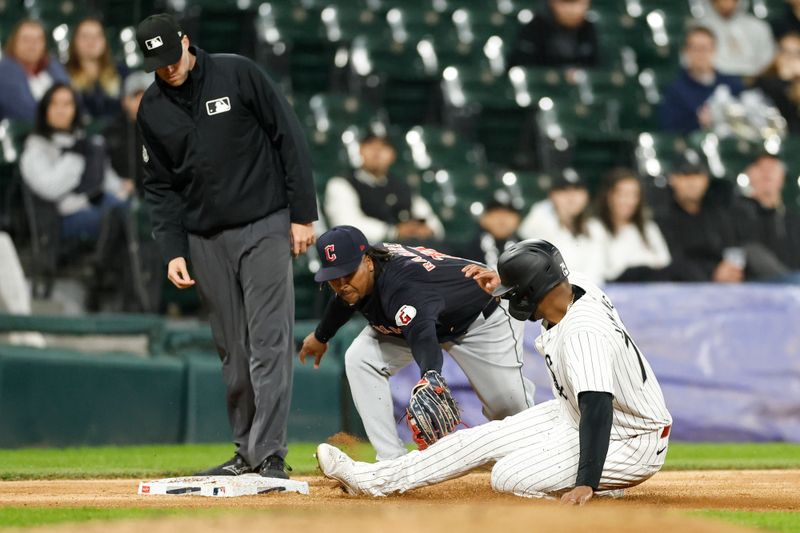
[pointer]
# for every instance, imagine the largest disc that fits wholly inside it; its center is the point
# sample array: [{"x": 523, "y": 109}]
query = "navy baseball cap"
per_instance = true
[
  {"x": 340, "y": 250},
  {"x": 159, "y": 37}
]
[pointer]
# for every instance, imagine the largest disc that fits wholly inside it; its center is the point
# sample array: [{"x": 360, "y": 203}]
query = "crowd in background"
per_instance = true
[{"x": 80, "y": 160}]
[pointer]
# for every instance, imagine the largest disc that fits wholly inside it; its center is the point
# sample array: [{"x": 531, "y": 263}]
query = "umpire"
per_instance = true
[{"x": 228, "y": 181}]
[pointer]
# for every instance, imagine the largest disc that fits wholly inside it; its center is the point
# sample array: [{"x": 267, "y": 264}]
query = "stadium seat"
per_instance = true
[
  {"x": 768, "y": 9},
  {"x": 633, "y": 96},
  {"x": 295, "y": 31},
  {"x": 224, "y": 27},
  {"x": 532, "y": 83},
  {"x": 335, "y": 113},
  {"x": 328, "y": 154},
  {"x": 343, "y": 21},
  {"x": 726, "y": 157},
  {"x": 525, "y": 187},
  {"x": 588, "y": 137},
  {"x": 401, "y": 76},
  {"x": 616, "y": 34},
  {"x": 437, "y": 148},
  {"x": 484, "y": 106},
  {"x": 660, "y": 38},
  {"x": 54, "y": 13},
  {"x": 480, "y": 21},
  {"x": 412, "y": 25}
]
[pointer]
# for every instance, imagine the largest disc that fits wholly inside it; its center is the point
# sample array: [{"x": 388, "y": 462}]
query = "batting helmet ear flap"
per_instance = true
[{"x": 521, "y": 306}]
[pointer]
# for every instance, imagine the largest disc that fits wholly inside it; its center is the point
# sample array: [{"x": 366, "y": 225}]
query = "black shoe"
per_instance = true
[
  {"x": 235, "y": 467},
  {"x": 274, "y": 466}
]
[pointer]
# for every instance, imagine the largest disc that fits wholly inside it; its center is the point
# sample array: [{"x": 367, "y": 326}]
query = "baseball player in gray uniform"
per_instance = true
[{"x": 607, "y": 428}]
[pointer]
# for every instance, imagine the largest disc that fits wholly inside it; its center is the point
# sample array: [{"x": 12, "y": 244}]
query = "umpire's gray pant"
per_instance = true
[{"x": 244, "y": 277}]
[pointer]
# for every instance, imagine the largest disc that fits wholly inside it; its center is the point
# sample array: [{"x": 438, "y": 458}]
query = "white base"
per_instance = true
[{"x": 220, "y": 486}]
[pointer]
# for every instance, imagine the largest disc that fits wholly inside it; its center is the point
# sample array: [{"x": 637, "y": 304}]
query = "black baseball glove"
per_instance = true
[{"x": 432, "y": 412}]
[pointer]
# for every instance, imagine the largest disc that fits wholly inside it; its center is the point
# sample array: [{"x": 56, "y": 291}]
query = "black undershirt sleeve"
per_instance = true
[
  {"x": 595, "y": 432},
  {"x": 336, "y": 315}
]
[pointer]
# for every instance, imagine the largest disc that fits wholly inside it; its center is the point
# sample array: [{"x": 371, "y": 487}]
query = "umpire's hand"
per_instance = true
[
  {"x": 302, "y": 237},
  {"x": 178, "y": 273}
]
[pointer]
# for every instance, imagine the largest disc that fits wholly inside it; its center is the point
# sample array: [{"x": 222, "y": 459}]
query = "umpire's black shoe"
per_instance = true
[
  {"x": 235, "y": 467},
  {"x": 274, "y": 466}
]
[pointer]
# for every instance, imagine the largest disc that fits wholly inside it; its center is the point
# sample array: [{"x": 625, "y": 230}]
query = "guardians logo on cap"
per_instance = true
[{"x": 340, "y": 250}]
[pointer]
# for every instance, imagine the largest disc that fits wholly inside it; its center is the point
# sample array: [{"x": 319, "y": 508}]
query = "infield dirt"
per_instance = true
[{"x": 464, "y": 505}]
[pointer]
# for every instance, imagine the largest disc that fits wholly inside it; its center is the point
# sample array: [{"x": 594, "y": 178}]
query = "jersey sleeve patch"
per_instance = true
[{"x": 405, "y": 315}]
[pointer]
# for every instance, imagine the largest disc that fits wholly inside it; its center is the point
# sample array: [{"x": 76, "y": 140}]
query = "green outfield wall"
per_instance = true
[{"x": 174, "y": 394}]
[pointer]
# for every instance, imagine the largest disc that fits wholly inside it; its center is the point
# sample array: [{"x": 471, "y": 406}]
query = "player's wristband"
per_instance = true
[{"x": 322, "y": 337}]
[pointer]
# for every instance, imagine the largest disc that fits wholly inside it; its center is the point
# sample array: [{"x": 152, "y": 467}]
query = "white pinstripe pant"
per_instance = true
[
  {"x": 536, "y": 454},
  {"x": 490, "y": 354}
]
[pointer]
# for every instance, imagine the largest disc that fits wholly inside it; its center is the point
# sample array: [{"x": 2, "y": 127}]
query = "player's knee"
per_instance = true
[
  {"x": 357, "y": 360},
  {"x": 504, "y": 407},
  {"x": 501, "y": 477}
]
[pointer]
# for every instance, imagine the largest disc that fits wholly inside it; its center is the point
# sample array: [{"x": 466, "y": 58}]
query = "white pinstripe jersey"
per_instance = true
[{"x": 590, "y": 350}]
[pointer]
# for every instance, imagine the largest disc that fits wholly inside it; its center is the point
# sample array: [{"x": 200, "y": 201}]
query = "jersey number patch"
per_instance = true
[{"x": 405, "y": 315}]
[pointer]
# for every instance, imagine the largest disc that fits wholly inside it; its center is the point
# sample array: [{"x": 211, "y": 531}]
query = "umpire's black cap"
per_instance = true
[
  {"x": 159, "y": 37},
  {"x": 340, "y": 250},
  {"x": 529, "y": 270}
]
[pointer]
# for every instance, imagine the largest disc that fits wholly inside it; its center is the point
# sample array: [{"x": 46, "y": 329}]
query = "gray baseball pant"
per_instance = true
[{"x": 244, "y": 277}]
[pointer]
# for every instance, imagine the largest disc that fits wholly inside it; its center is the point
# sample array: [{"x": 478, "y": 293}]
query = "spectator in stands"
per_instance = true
[
  {"x": 702, "y": 240},
  {"x": 92, "y": 70},
  {"x": 26, "y": 71},
  {"x": 60, "y": 164},
  {"x": 771, "y": 232},
  {"x": 683, "y": 107},
  {"x": 745, "y": 45},
  {"x": 379, "y": 203},
  {"x": 122, "y": 136},
  {"x": 635, "y": 248},
  {"x": 558, "y": 36},
  {"x": 497, "y": 231},
  {"x": 64, "y": 167},
  {"x": 789, "y": 22},
  {"x": 563, "y": 219},
  {"x": 781, "y": 82}
]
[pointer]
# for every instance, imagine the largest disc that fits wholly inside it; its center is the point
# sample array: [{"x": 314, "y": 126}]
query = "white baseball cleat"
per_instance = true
[{"x": 335, "y": 464}]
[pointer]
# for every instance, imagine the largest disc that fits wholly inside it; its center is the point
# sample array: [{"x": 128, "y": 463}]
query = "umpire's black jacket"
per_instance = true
[{"x": 222, "y": 150}]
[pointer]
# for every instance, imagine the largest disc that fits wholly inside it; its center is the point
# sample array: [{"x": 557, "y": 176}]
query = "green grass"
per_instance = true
[
  {"x": 783, "y": 521},
  {"x": 40, "y": 516},
  {"x": 174, "y": 460},
  {"x": 713, "y": 456},
  {"x": 138, "y": 461}
]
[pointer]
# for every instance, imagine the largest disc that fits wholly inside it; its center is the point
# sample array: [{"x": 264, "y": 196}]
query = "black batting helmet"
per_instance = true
[{"x": 528, "y": 270}]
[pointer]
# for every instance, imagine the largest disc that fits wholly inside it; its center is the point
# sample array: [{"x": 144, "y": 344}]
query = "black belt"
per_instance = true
[{"x": 490, "y": 308}]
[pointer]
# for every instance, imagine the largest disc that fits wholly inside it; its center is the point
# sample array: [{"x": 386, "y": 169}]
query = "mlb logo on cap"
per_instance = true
[
  {"x": 159, "y": 37},
  {"x": 341, "y": 249},
  {"x": 155, "y": 42}
]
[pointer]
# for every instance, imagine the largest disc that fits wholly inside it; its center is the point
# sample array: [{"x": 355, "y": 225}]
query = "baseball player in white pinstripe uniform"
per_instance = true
[{"x": 607, "y": 428}]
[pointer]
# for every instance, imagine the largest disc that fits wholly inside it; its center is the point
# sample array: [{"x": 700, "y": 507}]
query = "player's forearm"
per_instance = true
[
  {"x": 336, "y": 315},
  {"x": 595, "y": 432},
  {"x": 425, "y": 349}
]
